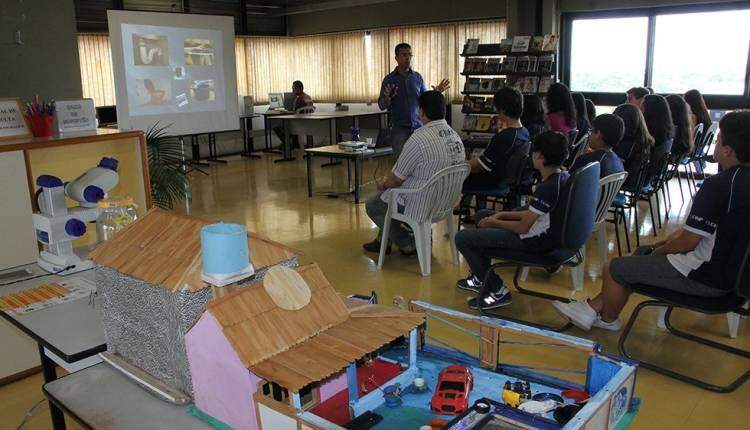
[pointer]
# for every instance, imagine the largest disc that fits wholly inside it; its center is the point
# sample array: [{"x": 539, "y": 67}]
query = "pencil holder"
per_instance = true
[{"x": 41, "y": 126}]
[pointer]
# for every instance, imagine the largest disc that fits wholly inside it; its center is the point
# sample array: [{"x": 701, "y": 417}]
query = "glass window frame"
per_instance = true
[{"x": 714, "y": 101}]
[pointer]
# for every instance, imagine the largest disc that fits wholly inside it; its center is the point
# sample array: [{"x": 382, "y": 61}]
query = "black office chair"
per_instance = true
[
  {"x": 571, "y": 223},
  {"x": 507, "y": 193},
  {"x": 734, "y": 301}
]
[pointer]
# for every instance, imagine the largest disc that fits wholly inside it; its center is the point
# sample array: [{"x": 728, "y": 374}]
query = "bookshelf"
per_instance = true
[{"x": 528, "y": 63}]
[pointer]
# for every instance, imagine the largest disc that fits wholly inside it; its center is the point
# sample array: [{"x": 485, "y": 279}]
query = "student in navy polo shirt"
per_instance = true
[
  {"x": 607, "y": 132},
  {"x": 488, "y": 170},
  {"x": 399, "y": 93},
  {"x": 526, "y": 230},
  {"x": 701, "y": 258}
]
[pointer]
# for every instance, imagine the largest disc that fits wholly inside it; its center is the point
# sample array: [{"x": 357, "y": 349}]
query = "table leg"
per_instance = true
[
  {"x": 331, "y": 133},
  {"x": 247, "y": 138},
  {"x": 357, "y": 177},
  {"x": 269, "y": 138},
  {"x": 287, "y": 145},
  {"x": 212, "y": 155},
  {"x": 50, "y": 374},
  {"x": 309, "y": 158}
]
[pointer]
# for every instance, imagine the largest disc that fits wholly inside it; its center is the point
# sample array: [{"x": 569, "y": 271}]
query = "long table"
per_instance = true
[
  {"x": 101, "y": 397},
  {"x": 333, "y": 151},
  {"x": 331, "y": 117},
  {"x": 68, "y": 332}
]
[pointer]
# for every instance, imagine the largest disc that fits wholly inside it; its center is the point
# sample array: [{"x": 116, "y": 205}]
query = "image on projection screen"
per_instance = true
[{"x": 171, "y": 70}]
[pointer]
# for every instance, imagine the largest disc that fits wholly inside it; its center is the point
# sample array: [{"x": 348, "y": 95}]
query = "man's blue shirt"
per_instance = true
[{"x": 404, "y": 108}]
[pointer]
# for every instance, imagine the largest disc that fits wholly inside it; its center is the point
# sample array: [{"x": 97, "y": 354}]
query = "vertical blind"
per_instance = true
[{"x": 339, "y": 67}]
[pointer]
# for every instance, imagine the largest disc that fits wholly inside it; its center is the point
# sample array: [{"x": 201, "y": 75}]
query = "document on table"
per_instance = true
[{"x": 46, "y": 295}]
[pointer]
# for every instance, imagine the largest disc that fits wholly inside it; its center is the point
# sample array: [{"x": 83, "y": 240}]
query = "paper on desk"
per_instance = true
[{"x": 47, "y": 295}]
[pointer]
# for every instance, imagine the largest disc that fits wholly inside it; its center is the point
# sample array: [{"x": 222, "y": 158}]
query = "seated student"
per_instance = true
[
  {"x": 583, "y": 123},
  {"x": 533, "y": 115},
  {"x": 659, "y": 122},
  {"x": 590, "y": 110},
  {"x": 635, "y": 96},
  {"x": 526, "y": 230},
  {"x": 561, "y": 112},
  {"x": 431, "y": 148},
  {"x": 698, "y": 259},
  {"x": 636, "y": 144},
  {"x": 488, "y": 171},
  {"x": 607, "y": 131},
  {"x": 683, "y": 143}
]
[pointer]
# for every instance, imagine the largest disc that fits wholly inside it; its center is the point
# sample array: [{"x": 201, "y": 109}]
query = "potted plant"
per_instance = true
[{"x": 166, "y": 166}]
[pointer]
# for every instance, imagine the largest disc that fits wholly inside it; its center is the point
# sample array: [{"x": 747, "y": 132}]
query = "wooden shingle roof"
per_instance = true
[
  {"x": 164, "y": 248},
  {"x": 296, "y": 348}
]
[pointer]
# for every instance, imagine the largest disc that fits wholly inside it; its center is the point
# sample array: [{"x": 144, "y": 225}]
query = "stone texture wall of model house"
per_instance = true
[{"x": 146, "y": 324}]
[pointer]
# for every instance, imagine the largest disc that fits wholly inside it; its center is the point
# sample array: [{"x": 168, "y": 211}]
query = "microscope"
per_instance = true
[{"x": 57, "y": 226}]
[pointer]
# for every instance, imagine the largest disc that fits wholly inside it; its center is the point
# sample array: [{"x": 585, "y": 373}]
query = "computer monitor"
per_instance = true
[
  {"x": 107, "y": 115},
  {"x": 289, "y": 101},
  {"x": 275, "y": 100}
]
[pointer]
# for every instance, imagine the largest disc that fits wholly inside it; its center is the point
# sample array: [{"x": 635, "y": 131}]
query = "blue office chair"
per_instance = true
[
  {"x": 734, "y": 301},
  {"x": 571, "y": 222}
]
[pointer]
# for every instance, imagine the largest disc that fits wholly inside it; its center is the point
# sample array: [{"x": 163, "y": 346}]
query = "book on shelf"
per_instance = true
[
  {"x": 509, "y": 64},
  {"x": 471, "y": 47},
  {"x": 472, "y": 85},
  {"x": 537, "y": 42},
  {"x": 479, "y": 105},
  {"x": 480, "y": 65},
  {"x": 522, "y": 64},
  {"x": 468, "y": 65},
  {"x": 546, "y": 64},
  {"x": 489, "y": 105},
  {"x": 467, "y": 104},
  {"x": 497, "y": 83},
  {"x": 533, "y": 62},
  {"x": 521, "y": 44},
  {"x": 493, "y": 65},
  {"x": 483, "y": 123},
  {"x": 506, "y": 45},
  {"x": 544, "y": 83},
  {"x": 528, "y": 84},
  {"x": 485, "y": 85},
  {"x": 550, "y": 43},
  {"x": 470, "y": 122}
]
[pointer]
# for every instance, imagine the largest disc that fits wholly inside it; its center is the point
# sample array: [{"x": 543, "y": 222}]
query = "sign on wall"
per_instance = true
[
  {"x": 75, "y": 115},
  {"x": 12, "y": 122}
]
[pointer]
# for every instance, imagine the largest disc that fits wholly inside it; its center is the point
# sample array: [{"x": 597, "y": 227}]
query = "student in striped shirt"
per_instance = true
[
  {"x": 526, "y": 230},
  {"x": 431, "y": 148}
]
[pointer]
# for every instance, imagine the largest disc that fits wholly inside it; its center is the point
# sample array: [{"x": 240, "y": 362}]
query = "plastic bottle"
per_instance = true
[{"x": 114, "y": 215}]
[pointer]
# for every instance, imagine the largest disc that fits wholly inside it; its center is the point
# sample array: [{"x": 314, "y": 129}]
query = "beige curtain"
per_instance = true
[
  {"x": 340, "y": 67},
  {"x": 95, "y": 58}
]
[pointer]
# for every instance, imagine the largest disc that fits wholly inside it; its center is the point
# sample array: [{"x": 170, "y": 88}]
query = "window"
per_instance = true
[
  {"x": 671, "y": 49},
  {"x": 705, "y": 50},
  {"x": 612, "y": 63}
]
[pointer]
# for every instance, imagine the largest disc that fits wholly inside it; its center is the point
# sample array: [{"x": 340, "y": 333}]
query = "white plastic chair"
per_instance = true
[
  {"x": 609, "y": 186},
  {"x": 429, "y": 204}
]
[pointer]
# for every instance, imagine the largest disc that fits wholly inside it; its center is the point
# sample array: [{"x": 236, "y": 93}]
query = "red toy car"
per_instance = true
[{"x": 452, "y": 392}]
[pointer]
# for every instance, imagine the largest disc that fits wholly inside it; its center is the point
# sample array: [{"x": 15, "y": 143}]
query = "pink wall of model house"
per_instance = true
[
  {"x": 332, "y": 386},
  {"x": 222, "y": 385}
]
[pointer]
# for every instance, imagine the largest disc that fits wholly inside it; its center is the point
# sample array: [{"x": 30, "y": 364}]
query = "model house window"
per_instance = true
[
  {"x": 309, "y": 397},
  {"x": 275, "y": 391},
  {"x": 705, "y": 50},
  {"x": 608, "y": 64}
]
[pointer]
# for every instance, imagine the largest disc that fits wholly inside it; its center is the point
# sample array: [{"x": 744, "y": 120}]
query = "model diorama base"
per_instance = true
[{"x": 224, "y": 280}]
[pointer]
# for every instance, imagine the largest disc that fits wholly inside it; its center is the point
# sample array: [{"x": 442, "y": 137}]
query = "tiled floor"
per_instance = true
[{"x": 272, "y": 199}]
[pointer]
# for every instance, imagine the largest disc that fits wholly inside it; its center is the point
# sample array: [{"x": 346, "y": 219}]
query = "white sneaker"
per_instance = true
[
  {"x": 581, "y": 314},
  {"x": 615, "y": 325}
]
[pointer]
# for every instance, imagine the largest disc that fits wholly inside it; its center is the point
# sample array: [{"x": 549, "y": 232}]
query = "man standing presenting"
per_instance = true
[{"x": 399, "y": 93}]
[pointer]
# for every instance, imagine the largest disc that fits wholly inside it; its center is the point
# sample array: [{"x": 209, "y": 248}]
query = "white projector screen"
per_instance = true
[{"x": 176, "y": 69}]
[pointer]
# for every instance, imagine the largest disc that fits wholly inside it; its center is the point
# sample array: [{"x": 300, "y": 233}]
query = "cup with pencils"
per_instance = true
[{"x": 41, "y": 116}]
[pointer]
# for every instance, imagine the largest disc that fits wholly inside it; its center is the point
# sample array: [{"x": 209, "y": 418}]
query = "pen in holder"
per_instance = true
[{"x": 40, "y": 117}]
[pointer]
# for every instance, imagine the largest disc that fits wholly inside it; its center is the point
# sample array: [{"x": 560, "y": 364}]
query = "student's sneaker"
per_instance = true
[
  {"x": 470, "y": 283},
  {"x": 615, "y": 325},
  {"x": 581, "y": 314},
  {"x": 374, "y": 246},
  {"x": 493, "y": 300}
]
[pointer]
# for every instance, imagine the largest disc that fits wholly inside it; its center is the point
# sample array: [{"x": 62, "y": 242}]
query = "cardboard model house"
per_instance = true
[
  {"x": 293, "y": 333},
  {"x": 149, "y": 282}
]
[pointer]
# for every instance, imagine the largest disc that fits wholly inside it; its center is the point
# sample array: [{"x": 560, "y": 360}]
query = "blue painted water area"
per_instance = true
[{"x": 415, "y": 410}]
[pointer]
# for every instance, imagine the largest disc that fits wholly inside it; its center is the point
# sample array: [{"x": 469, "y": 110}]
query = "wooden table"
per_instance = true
[
  {"x": 333, "y": 151},
  {"x": 331, "y": 117},
  {"x": 100, "y": 397}
]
